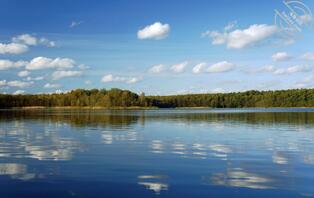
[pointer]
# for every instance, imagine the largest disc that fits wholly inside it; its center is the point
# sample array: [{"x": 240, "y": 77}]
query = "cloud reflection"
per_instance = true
[
  {"x": 16, "y": 171},
  {"x": 153, "y": 183},
  {"x": 241, "y": 178}
]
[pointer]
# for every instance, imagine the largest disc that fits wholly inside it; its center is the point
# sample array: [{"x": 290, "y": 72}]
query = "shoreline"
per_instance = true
[{"x": 139, "y": 108}]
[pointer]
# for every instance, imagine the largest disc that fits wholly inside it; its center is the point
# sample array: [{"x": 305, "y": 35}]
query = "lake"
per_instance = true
[{"x": 157, "y": 153}]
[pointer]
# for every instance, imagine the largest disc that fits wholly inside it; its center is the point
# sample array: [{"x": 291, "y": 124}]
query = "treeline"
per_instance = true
[
  {"x": 281, "y": 98},
  {"x": 124, "y": 98},
  {"x": 78, "y": 98}
]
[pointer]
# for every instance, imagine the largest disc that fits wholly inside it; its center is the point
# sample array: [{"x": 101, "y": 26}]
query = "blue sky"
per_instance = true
[{"x": 156, "y": 47}]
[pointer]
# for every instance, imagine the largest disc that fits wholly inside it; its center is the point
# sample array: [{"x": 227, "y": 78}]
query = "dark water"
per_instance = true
[{"x": 157, "y": 153}]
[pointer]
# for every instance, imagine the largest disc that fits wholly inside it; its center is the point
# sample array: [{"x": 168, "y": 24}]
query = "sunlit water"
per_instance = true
[{"x": 157, "y": 153}]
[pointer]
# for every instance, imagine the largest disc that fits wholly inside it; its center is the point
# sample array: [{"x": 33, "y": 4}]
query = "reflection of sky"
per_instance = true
[
  {"x": 39, "y": 142},
  {"x": 154, "y": 183},
  {"x": 240, "y": 178},
  {"x": 16, "y": 171},
  {"x": 262, "y": 156}
]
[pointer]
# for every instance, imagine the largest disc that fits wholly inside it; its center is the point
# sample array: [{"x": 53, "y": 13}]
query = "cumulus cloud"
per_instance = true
[
  {"x": 305, "y": 19},
  {"x": 23, "y": 73},
  {"x": 179, "y": 68},
  {"x": 19, "y": 92},
  {"x": 199, "y": 68},
  {"x": 308, "y": 56},
  {"x": 19, "y": 84},
  {"x": 28, "y": 39},
  {"x": 3, "y": 83},
  {"x": 307, "y": 82},
  {"x": 156, "y": 69},
  {"x": 83, "y": 67},
  {"x": 218, "y": 90},
  {"x": 267, "y": 68},
  {"x": 51, "y": 86},
  {"x": 292, "y": 70},
  {"x": 230, "y": 26},
  {"x": 156, "y": 31},
  {"x": 15, "y": 83},
  {"x": 65, "y": 74},
  {"x": 111, "y": 78},
  {"x": 46, "y": 42},
  {"x": 223, "y": 66},
  {"x": 7, "y": 64},
  {"x": 13, "y": 48},
  {"x": 241, "y": 38},
  {"x": 282, "y": 71},
  {"x": 281, "y": 56},
  {"x": 47, "y": 63},
  {"x": 35, "y": 78}
]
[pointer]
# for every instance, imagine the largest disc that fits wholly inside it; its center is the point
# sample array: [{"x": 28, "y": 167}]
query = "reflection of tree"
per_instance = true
[
  {"x": 261, "y": 118},
  {"x": 75, "y": 118},
  {"x": 122, "y": 118}
]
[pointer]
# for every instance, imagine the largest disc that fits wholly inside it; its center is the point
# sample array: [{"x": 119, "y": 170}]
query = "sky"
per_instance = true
[{"x": 158, "y": 47}]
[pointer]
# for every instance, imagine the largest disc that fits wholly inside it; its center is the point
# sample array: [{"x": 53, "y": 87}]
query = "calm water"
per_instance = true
[{"x": 157, "y": 153}]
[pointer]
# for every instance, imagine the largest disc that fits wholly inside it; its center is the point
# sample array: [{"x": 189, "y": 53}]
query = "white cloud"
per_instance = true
[
  {"x": 51, "y": 86},
  {"x": 308, "y": 56},
  {"x": 7, "y": 64},
  {"x": 281, "y": 56},
  {"x": 19, "y": 92},
  {"x": 88, "y": 82},
  {"x": 305, "y": 19},
  {"x": 3, "y": 83},
  {"x": 307, "y": 82},
  {"x": 132, "y": 80},
  {"x": 25, "y": 39},
  {"x": 267, "y": 68},
  {"x": 46, "y": 42},
  {"x": 75, "y": 23},
  {"x": 35, "y": 78},
  {"x": 59, "y": 91},
  {"x": 217, "y": 37},
  {"x": 292, "y": 70},
  {"x": 28, "y": 39},
  {"x": 199, "y": 68},
  {"x": 13, "y": 48},
  {"x": 230, "y": 26},
  {"x": 19, "y": 84},
  {"x": 223, "y": 66},
  {"x": 46, "y": 63},
  {"x": 83, "y": 67},
  {"x": 241, "y": 38},
  {"x": 65, "y": 74},
  {"x": 155, "y": 31},
  {"x": 15, "y": 83},
  {"x": 111, "y": 78},
  {"x": 156, "y": 69},
  {"x": 23, "y": 73},
  {"x": 283, "y": 71},
  {"x": 218, "y": 90},
  {"x": 179, "y": 68}
]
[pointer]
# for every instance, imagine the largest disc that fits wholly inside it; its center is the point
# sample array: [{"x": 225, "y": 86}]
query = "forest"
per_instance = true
[{"x": 114, "y": 98}]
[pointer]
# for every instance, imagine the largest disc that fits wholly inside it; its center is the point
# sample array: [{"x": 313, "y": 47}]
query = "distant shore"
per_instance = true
[
  {"x": 138, "y": 108},
  {"x": 79, "y": 107}
]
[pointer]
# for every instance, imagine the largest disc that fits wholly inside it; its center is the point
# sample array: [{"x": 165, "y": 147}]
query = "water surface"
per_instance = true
[{"x": 157, "y": 153}]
